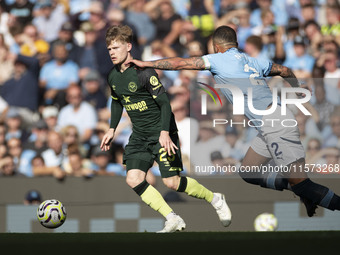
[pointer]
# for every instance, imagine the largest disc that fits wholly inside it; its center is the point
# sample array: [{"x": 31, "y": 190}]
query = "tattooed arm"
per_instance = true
[
  {"x": 285, "y": 73},
  {"x": 194, "y": 63}
]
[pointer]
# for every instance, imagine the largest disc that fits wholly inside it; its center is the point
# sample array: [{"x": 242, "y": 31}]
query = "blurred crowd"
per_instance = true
[{"x": 54, "y": 98}]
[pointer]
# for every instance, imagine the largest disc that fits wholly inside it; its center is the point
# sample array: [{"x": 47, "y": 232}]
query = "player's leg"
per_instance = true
[
  {"x": 135, "y": 178},
  {"x": 194, "y": 189},
  {"x": 287, "y": 151},
  {"x": 171, "y": 166},
  {"x": 311, "y": 193},
  {"x": 251, "y": 169}
]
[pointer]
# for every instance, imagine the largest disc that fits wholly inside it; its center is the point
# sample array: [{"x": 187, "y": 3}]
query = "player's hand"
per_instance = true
[
  {"x": 166, "y": 142},
  {"x": 136, "y": 62},
  {"x": 304, "y": 86},
  {"x": 107, "y": 139}
]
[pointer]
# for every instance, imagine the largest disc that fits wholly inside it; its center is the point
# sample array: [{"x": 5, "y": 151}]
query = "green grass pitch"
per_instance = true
[{"x": 190, "y": 243}]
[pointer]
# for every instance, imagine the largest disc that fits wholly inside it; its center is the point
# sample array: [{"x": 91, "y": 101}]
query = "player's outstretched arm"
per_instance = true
[
  {"x": 176, "y": 63},
  {"x": 285, "y": 73},
  {"x": 289, "y": 76}
]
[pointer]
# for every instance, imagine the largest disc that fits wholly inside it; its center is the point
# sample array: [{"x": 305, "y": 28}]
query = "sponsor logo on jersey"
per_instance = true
[
  {"x": 127, "y": 99},
  {"x": 132, "y": 86},
  {"x": 141, "y": 106}
]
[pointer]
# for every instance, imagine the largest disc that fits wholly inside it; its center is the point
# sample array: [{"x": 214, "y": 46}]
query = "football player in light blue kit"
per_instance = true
[{"x": 229, "y": 66}]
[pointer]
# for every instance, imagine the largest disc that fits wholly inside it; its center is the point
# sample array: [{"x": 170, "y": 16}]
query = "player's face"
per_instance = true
[{"x": 119, "y": 51}]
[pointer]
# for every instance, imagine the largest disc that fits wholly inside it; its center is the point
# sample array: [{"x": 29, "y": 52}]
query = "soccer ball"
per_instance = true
[
  {"x": 265, "y": 222},
  {"x": 51, "y": 213}
]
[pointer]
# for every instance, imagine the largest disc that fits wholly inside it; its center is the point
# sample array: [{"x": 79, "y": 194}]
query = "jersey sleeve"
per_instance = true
[
  {"x": 151, "y": 82},
  {"x": 153, "y": 85},
  {"x": 116, "y": 107},
  {"x": 265, "y": 65}
]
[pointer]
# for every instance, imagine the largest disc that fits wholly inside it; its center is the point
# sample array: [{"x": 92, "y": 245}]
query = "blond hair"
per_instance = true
[{"x": 119, "y": 33}]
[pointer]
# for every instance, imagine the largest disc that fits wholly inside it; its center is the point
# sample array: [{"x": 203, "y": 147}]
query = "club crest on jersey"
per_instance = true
[
  {"x": 153, "y": 81},
  {"x": 132, "y": 86},
  {"x": 113, "y": 87}
]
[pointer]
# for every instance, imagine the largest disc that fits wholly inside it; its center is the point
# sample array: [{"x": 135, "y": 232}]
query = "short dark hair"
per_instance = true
[
  {"x": 120, "y": 33},
  {"x": 256, "y": 41},
  {"x": 225, "y": 35}
]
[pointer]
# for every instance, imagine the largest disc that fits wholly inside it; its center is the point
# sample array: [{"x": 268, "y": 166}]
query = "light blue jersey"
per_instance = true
[{"x": 238, "y": 69}]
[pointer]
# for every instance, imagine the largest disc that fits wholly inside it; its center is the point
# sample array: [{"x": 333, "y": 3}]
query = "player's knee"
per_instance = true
[
  {"x": 172, "y": 182},
  {"x": 250, "y": 178},
  {"x": 133, "y": 181}
]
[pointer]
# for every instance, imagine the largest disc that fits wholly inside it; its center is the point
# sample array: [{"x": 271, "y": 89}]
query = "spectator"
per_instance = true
[
  {"x": 6, "y": 61},
  {"x": 3, "y": 131},
  {"x": 302, "y": 63},
  {"x": 32, "y": 44},
  {"x": 322, "y": 106},
  {"x": 22, "y": 90},
  {"x": 57, "y": 75},
  {"x": 78, "y": 166},
  {"x": 267, "y": 24},
  {"x": 22, "y": 10},
  {"x": 265, "y": 5},
  {"x": 40, "y": 169},
  {"x": 93, "y": 54},
  {"x": 207, "y": 142},
  {"x": 22, "y": 159},
  {"x": 326, "y": 160},
  {"x": 50, "y": 116},
  {"x": 3, "y": 109},
  {"x": 334, "y": 139},
  {"x": 313, "y": 33},
  {"x": 7, "y": 167},
  {"x": 136, "y": 16},
  {"x": 37, "y": 142},
  {"x": 15, "y": 126},
  {"x": 202, "y": 16},
  {"x": 32, "y": 197},
  {"x": 98, "y": 19},
  {"x": 49, "y": 18},
  {"x": 168, "y": 24},
  {"x": 253, "y": 46},
  {"x": 71, "y": 138},
  {"x": 244, "y": 29},
  {"x": 78, "y": 113},
  {"x": 313, "y": 148},
  {"x": 234, "y": 147},
  {"x": 55, "y": 155},
  {"x": 187, "y": 127},
  {"x": 332, "y": 77},
  {"x": 332, "y": 17},
  {"x": 93, "y": 90},
  {"x": 102, "y": 166},
  {"x": 308, "y": 13},
  {"x": 65, "y": 35}
]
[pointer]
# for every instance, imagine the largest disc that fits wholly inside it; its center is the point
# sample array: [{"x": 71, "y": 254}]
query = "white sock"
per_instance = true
[
  {"x": 170, "y": 215},
  {"x": 215, "y": 199}
]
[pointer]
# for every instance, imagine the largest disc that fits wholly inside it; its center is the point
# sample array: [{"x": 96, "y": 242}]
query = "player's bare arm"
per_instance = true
[
  {"x": 107, "y": 139},
  {"x": 176, "y": 63},
  {"x": 289, "y": 76},
  {"x": 285, "y": 73}
]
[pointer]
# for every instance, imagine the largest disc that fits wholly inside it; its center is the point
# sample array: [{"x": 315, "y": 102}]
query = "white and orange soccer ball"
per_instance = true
[
  {"x": 265, "y": 222},
  {"x": 51, "y": 213}
]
